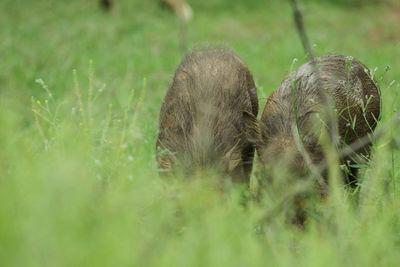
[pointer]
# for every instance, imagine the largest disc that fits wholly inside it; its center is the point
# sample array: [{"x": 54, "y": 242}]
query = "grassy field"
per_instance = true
[{"x": 80, "y": 92}]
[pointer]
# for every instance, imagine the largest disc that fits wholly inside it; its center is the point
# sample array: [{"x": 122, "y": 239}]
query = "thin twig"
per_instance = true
[
  {"x": 363, "y": 141},
  {"x": 326, "y": 102},
  {"x": 315, "y": 171}
]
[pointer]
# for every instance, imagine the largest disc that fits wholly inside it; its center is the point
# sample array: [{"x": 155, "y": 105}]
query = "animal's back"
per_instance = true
[
  {"x": 354, "y": 94},
  {"x": 201, "y": 118}
]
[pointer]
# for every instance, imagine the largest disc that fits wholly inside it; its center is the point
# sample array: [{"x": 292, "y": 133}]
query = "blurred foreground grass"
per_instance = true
[{"x": 79, "y": 184}]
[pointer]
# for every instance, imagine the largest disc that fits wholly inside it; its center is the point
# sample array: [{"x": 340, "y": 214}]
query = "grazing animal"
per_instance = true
[
  {"x": 107, "y": 4},
  {"x": 354, "y": 96},
  {"x": 208, "y": 116},
  {"x": 180, "y": 8}
]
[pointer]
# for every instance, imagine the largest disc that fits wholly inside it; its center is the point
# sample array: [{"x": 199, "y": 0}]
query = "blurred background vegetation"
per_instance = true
[{"x": 79, "y": 184}]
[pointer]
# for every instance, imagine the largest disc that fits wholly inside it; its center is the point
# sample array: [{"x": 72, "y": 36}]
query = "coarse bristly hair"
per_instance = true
[
  {"x": 208, "y": 115},
  {"x": 356, "y": 100}
]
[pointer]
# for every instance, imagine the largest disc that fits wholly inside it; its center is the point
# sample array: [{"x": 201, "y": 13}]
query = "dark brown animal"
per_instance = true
[
  {"x": 208, "y": 116},
  {"x": 356, "y": 100},
  {"x": 107, "y": 4}
]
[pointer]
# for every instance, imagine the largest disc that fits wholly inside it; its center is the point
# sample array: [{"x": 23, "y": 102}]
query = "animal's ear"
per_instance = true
[
  {"x": 251, "y": 128},
  {"x": 232, "y": 159},
  {"x": 165, "y": 158},
  {"x": 165, "y": 162}
]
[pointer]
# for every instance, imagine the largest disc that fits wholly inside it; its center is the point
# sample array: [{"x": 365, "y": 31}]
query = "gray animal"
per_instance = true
[
  {"x": 354, "y": 96},
  {"x": 208, "y": 116}
]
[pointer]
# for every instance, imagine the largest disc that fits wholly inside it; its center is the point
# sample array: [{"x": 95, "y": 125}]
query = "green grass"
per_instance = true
[{"x": 73, "y": 194}]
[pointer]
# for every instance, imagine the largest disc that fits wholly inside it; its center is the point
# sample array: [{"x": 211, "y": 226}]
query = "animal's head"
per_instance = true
[
  {"x": 223, "y": 147},
  {"x": 285, "y": 145}
]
